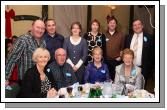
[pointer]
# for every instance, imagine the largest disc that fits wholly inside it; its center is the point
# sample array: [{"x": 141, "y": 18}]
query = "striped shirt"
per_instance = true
[{"x": 22, "y": 55}]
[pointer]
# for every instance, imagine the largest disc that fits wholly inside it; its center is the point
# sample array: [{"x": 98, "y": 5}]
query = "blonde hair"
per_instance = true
[
  {"x": 127, "y": 51},
  {"x": 97, "y": 49},
  {"x": 38, "y": 52}
]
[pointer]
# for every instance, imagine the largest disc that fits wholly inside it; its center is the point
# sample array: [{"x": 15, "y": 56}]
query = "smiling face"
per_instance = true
[
  {"x": 112, "y": 25},
  {"x": 97, "y": 54},
  {"x": 128, "y": 59},
  {"x": 42, "y": 59},
  {"x": 51, "y": 27},
  {"x": 137, "y": 26},
  {"x": 60, "y": 56},
  {"x": 41, "y": 56},
  {"x": 75, "y": 30},
  {"x": 38, "y": 29},
  {"x": 95, "y": 27}
]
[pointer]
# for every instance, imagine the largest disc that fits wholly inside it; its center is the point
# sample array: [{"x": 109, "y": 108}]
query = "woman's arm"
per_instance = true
[
  {"x": 86, "y": 75},
  {"x": 84, "y": 55}
]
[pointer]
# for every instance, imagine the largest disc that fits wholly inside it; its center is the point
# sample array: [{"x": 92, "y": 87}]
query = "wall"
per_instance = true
[
  {"x": 21, "y": 27},
  {"x": 98, "y": 12},
  {"x": 122, "y": 14}
]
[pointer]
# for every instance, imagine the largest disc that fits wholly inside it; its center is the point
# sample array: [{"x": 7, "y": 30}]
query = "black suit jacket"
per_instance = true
[
  {"x": 31, "y": 84},
  {"x": 148, "y": 55}
]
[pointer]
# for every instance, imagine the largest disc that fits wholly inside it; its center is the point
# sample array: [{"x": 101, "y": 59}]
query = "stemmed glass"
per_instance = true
[{"x": 69, "y": 90}]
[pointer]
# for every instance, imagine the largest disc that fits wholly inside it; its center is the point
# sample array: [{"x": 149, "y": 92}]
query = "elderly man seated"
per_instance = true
[{"x": 62, "y": 71}]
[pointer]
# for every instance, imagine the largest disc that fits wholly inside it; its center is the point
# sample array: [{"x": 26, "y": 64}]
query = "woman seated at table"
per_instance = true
[
  {"x": 127, "y": 72},
  {"x": 38, "y": 82},
  {"x": 96, "y": 71}
]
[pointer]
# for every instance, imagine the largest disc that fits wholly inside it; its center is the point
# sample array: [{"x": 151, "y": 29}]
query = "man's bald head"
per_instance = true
[
  {"x": 38, "y": 29},
  {"x": 60, "y": 56}
]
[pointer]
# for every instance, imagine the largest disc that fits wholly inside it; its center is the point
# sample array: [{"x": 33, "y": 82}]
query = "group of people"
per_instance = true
[{"x": 47, "y": 61}]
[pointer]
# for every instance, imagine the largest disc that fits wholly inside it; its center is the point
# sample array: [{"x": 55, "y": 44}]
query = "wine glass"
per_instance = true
[
  {"x": 69, "y": 90},
  {"x": 80, "y": 88}
]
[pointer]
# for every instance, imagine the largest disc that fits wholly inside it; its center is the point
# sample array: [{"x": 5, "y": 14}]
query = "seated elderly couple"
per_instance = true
[{"x": 43, "y": 81}]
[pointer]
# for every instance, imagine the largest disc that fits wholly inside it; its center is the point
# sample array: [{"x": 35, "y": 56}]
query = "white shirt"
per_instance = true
[
  {"x": 111, "y": 32},
  {"x": 74, "y": 42},
  {"x": 137, "y": 59}
]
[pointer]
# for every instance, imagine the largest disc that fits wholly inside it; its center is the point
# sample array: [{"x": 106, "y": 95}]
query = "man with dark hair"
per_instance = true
[
  {"x": 53, "y": 39},
  {"x": 142, "y": 45},
  {"x": 114, "y": 45}
]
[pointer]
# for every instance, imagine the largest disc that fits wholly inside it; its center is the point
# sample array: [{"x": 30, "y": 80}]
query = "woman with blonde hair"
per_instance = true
[
  {"x": 96, "y": 71},
  {"x": 38, "y": 82}
]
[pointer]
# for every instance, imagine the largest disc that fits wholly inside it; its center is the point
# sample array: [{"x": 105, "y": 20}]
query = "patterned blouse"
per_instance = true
[
  {"x": 45, "y": 85},
  {"x": 99, "y": 41},
  {"x": 135, "y": 78}
]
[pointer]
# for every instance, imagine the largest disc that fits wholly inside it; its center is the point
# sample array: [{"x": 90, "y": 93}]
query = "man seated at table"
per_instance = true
[
  {"x": 62, "y": 71},
  {"x": 129, "y": 73},
  {"x": 97, "y": 71}
]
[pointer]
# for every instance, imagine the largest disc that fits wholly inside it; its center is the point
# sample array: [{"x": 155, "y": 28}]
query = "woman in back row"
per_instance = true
[
  {"x": 94, "y": 39},
  {"x": 76, "y": 48}
]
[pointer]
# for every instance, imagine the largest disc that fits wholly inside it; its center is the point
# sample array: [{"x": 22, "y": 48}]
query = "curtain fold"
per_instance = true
[{"x": 66, "y": 14}]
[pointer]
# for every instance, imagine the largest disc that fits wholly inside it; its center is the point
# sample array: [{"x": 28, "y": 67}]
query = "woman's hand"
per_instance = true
[
  {"x": 75, "y": 68},
  {"x": 51, "y": 93}
]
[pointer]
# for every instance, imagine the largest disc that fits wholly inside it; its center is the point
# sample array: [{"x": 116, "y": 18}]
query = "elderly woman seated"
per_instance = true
[
  {"x": 97, "y": 71},
  {"x": 127, "y": 72},
  {"x": 37, "y": 82}
]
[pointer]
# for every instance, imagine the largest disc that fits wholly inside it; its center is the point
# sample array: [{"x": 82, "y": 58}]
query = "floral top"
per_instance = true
[
  {"x": 135, "y": 78},
  {"x": 45, "y": 85},
  {"x": 99, "y": 41}
]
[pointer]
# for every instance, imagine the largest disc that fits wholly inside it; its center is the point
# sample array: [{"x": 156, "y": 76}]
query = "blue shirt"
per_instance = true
[
  {"x": 53, "y": 43},
  {"x": 93, "y": 74}
]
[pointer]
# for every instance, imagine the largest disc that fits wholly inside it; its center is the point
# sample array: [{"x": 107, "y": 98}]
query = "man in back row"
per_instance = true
[
  {"x": 143, "y": 46},
  {"x": 53, "y": 39},
  {"x": 23, "y": 49}
]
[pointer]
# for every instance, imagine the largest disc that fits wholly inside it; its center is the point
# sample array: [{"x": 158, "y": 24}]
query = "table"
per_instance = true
[{"x": 108, "y": 90}]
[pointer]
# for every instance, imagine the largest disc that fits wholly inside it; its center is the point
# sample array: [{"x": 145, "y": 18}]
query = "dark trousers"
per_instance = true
[{"x": 111, "y": 66}]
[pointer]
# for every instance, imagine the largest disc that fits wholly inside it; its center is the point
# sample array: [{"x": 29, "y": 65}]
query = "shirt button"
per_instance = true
[{"x": 74, "y": 57}]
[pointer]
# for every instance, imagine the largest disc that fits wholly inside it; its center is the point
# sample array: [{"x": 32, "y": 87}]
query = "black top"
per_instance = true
[
  {"x": 99, "y": 41},
  {"x": 31, "y": 84},
  {"x": 53, "y": 43}
]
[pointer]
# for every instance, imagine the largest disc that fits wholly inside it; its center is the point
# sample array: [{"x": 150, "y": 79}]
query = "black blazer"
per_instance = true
[
  {"x": 148, "y": 55},
  {"x": 31, "y": 84}
]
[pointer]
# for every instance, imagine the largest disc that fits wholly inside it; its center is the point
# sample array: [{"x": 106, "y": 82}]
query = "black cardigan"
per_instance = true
[{"x": 31, "y": 84}]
